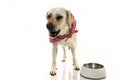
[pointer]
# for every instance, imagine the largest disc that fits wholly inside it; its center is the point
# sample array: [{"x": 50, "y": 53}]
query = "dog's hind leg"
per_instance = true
[
  {"x": 64, "y": 54},
  {"x": 76, "y": 67}
]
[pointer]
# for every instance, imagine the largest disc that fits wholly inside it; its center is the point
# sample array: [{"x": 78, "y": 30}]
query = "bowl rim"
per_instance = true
[{"x": 92, "y": 66}]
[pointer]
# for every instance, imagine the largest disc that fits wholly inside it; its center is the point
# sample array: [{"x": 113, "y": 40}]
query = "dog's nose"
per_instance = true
[{"x": 50, "y": 27}]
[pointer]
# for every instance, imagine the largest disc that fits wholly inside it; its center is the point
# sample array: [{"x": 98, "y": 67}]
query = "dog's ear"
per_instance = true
[{"x": 70, "y": 18}]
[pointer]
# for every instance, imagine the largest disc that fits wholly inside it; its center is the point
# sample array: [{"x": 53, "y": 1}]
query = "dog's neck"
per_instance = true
[
  {"x": 64, "y": 30},
  {"x": 71, "y": 31}
]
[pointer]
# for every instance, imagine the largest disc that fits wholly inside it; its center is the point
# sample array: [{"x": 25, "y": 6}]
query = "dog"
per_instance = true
[{"x": 61, "y": 26}]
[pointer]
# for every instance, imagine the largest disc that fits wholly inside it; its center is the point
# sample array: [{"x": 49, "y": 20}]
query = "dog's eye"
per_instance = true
[
  {"x": 59, "y": 17},
  {"x": 49, "y": 16}
]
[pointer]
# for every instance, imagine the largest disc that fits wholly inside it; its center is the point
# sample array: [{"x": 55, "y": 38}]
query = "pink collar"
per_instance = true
[{"x": 67, "y": 36}]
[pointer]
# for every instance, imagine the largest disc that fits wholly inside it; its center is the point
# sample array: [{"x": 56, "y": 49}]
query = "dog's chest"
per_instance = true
[
  {"x": 64, "y": 42},
  {"x": 69, "y": 42}
]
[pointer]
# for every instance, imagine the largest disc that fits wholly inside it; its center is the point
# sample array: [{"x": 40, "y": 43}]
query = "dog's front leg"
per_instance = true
[
  {"x": 54, "y": 55},
  {"x": 76, "y": 67}
]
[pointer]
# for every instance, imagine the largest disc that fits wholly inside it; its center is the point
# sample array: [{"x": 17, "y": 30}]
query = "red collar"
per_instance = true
[{"x": 67, "y": 36}]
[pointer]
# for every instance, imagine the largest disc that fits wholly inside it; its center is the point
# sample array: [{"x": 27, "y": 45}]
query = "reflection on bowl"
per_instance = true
[{"x": 93, "y": 65}]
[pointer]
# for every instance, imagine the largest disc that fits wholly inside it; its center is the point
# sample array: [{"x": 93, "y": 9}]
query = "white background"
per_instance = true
[{"x": 25, "y": 51}]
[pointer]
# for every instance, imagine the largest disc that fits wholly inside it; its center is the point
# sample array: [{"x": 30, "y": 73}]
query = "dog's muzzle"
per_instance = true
[{"x": 52, "y": 31}]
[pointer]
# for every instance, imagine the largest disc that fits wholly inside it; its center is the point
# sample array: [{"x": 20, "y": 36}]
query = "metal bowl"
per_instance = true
[{"x": 93, "y": 71}]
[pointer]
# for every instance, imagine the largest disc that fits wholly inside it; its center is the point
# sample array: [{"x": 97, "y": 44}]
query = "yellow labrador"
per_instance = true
[{"x": 61, "y": 25}]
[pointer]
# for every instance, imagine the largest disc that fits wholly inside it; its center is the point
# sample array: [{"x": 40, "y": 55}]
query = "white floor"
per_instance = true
[{"x": 36, "y": 66}]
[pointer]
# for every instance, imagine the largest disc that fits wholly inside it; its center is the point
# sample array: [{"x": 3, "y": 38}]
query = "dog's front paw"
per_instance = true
[
  {"x": 76, "y": 68},
  {"x": 63, "y": 60},
  {"x": 53, "y": 72}
]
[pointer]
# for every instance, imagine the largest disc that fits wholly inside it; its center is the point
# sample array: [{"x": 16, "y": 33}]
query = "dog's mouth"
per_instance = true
[{"x": 54, "y": 33}]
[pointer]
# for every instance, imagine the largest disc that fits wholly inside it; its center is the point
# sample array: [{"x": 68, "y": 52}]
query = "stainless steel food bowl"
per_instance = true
[{"x": 93, "y": 71}]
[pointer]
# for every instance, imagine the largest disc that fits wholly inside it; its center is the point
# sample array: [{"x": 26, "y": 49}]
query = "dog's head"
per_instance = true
[{"x": 59, "y": 21}]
